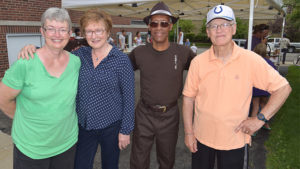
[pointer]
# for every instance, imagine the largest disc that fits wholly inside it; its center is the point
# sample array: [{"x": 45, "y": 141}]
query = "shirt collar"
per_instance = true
[{"x": 235, "y": 53}]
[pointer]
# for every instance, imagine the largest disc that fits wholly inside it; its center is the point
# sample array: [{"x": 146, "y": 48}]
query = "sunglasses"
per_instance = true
[{"x": 163, "y": 24}]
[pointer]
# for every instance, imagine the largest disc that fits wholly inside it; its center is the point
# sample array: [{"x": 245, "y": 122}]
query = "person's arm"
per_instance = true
[
  {"x": 187, "y": 112},
  {"x": 120, "y": 42},
  {"x": 133, "y": 60},
  {"x": 8, "y": 100},
  {"x": 190, "y": 58},
  {"x": 179, "y": 36},
  {"x": 277, "y": 99},
  {"x": 27, "y": 52},
  {"x": 126, "y": 76},
  {"x": 148, "y": 38}
]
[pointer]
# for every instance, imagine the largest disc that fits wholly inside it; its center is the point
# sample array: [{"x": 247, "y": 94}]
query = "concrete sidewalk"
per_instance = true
[{"x": 6, "y": 151}]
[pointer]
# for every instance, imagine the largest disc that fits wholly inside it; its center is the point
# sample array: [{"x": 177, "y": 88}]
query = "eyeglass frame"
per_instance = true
[
  {"x": 52, "y": 31},
  {"x": 221, "y": 26},
  {"x": 98, "y": 32}
]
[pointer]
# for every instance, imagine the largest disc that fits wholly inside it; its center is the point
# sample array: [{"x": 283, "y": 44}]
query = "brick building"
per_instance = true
[{"x": 21, "y": 18}]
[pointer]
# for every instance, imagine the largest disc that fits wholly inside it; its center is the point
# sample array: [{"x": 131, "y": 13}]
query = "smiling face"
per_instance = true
[
  {"x": 96, "y": 34},
  {"x": 56, "y": 34},
  {"x": 223, "y": 33},
  {"x": 160, "y": 29}
]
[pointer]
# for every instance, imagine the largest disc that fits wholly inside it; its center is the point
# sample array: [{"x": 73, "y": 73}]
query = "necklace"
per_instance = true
[
  {"x": 97, "y": 57},
  {"x": 103, "y": 54}
]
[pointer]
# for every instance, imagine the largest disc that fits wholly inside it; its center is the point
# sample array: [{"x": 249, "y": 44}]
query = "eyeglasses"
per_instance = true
[
  {"x": 52, "y": 31},
  {"x": 221, "y": 26},
  {"x": 163, "y": 24},
  {"x": 97, "y": 32}
]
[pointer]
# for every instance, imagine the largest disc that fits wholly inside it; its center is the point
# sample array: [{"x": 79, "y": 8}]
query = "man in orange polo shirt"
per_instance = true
[{"x": 219, "y": 84}]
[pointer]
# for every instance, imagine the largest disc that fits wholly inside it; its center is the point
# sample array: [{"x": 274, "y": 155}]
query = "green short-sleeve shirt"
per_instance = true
[{"x": 45, "y": 122}]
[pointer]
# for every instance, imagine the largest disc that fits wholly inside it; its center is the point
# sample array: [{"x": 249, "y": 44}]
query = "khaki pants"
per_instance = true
[{"x": 159, "y": 126}]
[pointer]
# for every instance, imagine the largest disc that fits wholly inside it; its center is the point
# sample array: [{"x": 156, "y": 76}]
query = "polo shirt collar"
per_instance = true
[{"x": 235, "y": 53}]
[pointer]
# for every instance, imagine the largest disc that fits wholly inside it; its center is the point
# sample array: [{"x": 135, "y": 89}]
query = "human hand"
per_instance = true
[
  {"x": 191, "y": 142},
  {"x": 124, "y": 141},
  {"x": 77, "y": 48},
  {"x": 27, "y": 51},
  {"x": 250, "y": 125}
]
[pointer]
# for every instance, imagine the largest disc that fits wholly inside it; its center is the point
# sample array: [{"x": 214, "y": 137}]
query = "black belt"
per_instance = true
[{"x": 160, "y": 108}]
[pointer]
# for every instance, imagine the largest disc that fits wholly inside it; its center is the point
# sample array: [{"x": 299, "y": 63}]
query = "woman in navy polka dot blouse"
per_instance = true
[{"x": 105, "y": 98}]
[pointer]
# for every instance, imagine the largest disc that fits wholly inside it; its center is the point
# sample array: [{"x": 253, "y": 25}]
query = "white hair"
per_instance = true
[{"x": 57, "y": 14}]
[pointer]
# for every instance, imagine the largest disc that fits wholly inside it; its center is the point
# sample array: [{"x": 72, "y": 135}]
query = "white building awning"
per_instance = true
[{"x": 185, "y": 9}]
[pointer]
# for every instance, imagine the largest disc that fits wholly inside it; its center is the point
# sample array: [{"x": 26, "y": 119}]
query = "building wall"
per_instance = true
[
  {"x": 3, "y": 46},
  {"x": 20, "y": 10},
  {"x": 23, "y": 16},
  {"x": 25, "y": 10}
]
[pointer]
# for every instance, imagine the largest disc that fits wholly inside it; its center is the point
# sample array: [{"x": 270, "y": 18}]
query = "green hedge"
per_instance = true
[{"x": 192, "y": 37}]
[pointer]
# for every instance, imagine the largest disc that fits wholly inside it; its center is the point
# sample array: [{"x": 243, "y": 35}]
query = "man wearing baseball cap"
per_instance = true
[
  {"x": 219, "y": 88},
  {"x": 161, "y": 66}
]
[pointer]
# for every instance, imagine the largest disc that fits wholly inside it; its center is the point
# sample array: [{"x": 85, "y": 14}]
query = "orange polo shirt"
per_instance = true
[{"x": 223, "y": 93}]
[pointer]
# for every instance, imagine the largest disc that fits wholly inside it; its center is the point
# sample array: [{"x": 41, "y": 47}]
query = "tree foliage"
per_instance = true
[
  {"x": 241, "y": 30},
  {"x": 276, "y": 26},
  {"x": 293, "y": 21},
  {"x": 187, "y": 27}
]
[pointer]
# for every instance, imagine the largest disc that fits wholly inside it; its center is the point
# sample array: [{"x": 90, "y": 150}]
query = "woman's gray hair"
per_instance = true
[{"x": 57, "y": 14}]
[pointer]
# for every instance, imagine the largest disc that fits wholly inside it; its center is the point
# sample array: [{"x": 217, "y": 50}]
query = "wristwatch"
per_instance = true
[{"x": 261, "y": 117}]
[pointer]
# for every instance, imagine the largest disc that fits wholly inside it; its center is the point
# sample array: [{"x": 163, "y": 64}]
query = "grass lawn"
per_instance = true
[
  {"x": 283, "y": 145},
  {"x": 202, "y": 45}
]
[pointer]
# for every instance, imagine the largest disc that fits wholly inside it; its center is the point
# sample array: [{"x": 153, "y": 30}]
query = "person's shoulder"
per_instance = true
[
  {"x": 23, "y": 64},
  {"x": 202, "y": 56},
  {"x": 142, "y": 48},
  {"x": 241, "y": 50},
  {"x": 248, "y": 55},
  {"x": 117, "y": 54},
  {"x": 28, "y": 61},
  {"x": 74, "y": 57},
  {"x": 82, "y": 51},
  {"x": 180, "y": 48}
]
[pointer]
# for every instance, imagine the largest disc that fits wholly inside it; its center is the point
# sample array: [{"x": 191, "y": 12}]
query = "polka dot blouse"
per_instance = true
[{"x": 105, "y": 93}]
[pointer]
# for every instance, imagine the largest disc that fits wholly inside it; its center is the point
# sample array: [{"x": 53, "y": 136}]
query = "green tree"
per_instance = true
[
  {"x": 242, "y": 29},
  {"x": 187, "y": 27},
  {"x": 276, "y": 26},
  {"x": 292, "y": 20},
  {"x": 202, "y": 37}
]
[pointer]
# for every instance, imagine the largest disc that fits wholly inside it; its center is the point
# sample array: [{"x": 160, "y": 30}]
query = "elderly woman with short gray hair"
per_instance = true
[{"x": 39, "y": 94}]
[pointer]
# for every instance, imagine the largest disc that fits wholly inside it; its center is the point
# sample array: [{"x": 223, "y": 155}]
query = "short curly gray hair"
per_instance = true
[{"x": 57, "y": 14}]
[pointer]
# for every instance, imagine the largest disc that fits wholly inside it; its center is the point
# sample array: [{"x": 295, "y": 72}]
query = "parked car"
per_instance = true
[
  {"x": 274, "y": 44},
  {"x": 240, "y": 42}
]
